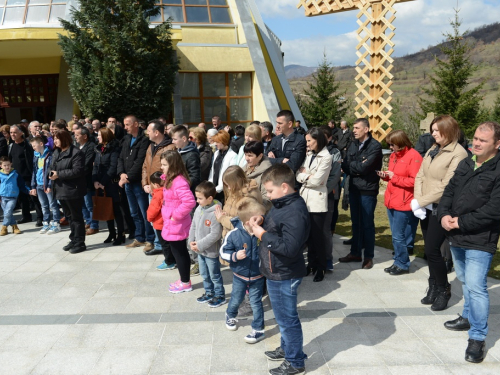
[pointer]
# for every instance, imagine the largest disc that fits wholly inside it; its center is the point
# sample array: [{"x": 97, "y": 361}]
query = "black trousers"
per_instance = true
[
  {"x": 125, "y": 210},
  {"x": 72, "y": 209},
  {"x": 26, "y": 200},
  {"x": 434, "y": 236},
  {"x": 120, "y": 225},
  {"x": 317, "y": 241},
  {"x": 165, "y": 246},
  {"x": 181, "y": 255}
]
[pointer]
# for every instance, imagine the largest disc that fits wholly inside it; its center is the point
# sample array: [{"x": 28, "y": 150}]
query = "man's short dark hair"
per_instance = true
[
  {"x": 255, "y": 122},
  {"x": 268, "y": 126},
  {"x": 78, "y": 125},
  {"x": 362, "y": 121},
  {"x": 36, "y": 139},
  {"x": 181, "y": 129},
  {"x": 239, "y": 130},
  {"x": 61, "y": 124},
  {"x": 288, "y": 115},
  {"x": 279, "y": 174},
  {"x": 206, "y": 188},
  {"x": 85, "y": 131},
  {"x": 157, "y": 126}
]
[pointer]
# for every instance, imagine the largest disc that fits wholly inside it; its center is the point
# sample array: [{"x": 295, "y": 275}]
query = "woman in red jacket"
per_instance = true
[{"x": 404, "y": 164}]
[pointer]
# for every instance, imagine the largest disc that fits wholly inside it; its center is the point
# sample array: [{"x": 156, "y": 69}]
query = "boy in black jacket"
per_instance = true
[{"x": 283, "y": 233}]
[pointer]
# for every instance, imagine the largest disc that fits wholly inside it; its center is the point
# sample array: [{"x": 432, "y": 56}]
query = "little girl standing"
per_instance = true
[{"x": 178, "y": 202}]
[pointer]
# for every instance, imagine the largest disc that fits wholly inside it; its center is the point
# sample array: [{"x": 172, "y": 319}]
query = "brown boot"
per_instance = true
[
  {"x": 16, "y": 230},
  {"x": 4, "y": 231}
]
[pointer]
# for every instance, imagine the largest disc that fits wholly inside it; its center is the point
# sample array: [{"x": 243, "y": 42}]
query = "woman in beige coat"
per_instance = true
[
  {"x": 438, "y": 167},
  {"x": 313, "y": 176}
]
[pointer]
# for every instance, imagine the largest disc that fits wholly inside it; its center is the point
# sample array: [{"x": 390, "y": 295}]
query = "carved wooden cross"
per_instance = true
[{"x": 374, "y": 50}]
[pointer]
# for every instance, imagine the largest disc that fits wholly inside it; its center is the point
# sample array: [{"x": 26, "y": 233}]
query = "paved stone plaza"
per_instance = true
[{"x": 108, "y": 311}]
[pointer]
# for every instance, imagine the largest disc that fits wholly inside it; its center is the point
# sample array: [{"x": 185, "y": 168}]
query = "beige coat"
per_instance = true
[
  {"x": 434, "y": 175},
  {"x": 256, "y": 175},
  {"x": 313, "y": 180}
]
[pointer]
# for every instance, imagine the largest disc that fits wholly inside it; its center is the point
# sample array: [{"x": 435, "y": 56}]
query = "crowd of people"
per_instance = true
[{"x": 255, "y": 198}]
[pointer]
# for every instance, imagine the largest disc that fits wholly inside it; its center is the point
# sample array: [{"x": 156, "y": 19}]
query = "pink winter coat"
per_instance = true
[{"x": 178, "y": 202}]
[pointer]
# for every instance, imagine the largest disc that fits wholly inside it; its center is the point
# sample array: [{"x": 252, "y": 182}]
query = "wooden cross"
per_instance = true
[{"x": 374, "y": 78}]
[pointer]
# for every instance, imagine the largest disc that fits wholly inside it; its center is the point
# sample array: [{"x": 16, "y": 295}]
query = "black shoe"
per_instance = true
[
  {"x": 443, "y": 296},
  {"x": 78, "y": 249},
  {"x": 475, "y": 351},
  {"x": 153, "y": 252},
  {"x": 320, "y": 275},
  {"x": 277, "y": 354},
  {"x": 396, "y": 271},
  {"x": 39, "y": 223},
  {"x": 69, "y": 246},
  {"x": 449, "y": 265},
  {"x": 347, "y": 242},
  {"x": 432, "y": 292},
  {"x": 459, "y": 324},
  {"x": 389, "y": 269},
  {"x": 111, "y": 238},
  {"x": 119, "y": 240},
  {"x": 350, "y": 258},
  {"x": 287, "y": 369},
  {"x": 24, "y": 220}
]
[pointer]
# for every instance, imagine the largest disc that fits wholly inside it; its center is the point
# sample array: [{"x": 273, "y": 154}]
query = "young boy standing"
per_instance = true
[
  {"x": 41, "y": 186},
  {"x": 283, "y": 233},
  {"x": 204, "y": 239},
  {"x": 10, "y": 185},
  {"x": 241, "y": 250}
]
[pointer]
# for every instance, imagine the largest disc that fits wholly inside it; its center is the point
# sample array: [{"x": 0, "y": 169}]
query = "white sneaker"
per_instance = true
[
  {"x": 45, "y": 227},
  {"x": 55, "y": 227}
]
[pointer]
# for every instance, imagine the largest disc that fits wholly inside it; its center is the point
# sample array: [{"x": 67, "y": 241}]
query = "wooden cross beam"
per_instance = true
[{"x": 374, "y": 50}]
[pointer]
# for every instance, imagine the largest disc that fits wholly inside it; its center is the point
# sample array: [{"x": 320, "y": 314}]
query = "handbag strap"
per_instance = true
[{"x": 103, "y": 192}]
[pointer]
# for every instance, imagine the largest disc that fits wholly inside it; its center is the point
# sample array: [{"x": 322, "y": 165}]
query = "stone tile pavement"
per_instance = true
[{"x": 108, "y": 311}]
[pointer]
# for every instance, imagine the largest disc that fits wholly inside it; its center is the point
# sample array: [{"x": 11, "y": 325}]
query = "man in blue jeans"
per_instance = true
[
  {"x": 362, "y": 161},
  {"x": 134, "y": 147},
  {"x": 283, "y": 233},
  {"x": 470, "y": 211}
]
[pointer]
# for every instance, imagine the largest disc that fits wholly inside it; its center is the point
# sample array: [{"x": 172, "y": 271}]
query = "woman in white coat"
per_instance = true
[
  {"x": 223, "y": 158},
  {"x": 313, "y": 176}
]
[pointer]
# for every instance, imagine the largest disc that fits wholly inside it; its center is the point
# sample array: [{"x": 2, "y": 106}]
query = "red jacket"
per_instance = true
[
  {"x": 405, "y": 165},
  {"x": 154, "y": 209}
]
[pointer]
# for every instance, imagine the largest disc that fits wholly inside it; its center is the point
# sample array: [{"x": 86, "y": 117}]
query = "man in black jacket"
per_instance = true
[
  {"x": 134, "y": 147},
  {"x": 470, "y": 211},
  {"x": 363, "y": 159},
  {"x": 344, "y": 138},
  {"x": 335, "y": 131},
  {"x": 21, "y": 155},
  {"x": 189, "y": 154},
  {"x": 289, "y": 147}
]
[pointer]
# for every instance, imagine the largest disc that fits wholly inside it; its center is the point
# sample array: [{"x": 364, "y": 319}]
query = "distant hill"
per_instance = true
[
  {"x": 411, "y": 72},
  {"x": 298, "y": 71}
]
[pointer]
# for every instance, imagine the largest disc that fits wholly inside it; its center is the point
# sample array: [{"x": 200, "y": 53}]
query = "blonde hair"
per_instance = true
[
  {"x": 235, "y": 179},
  {"x": 254, "y": 131},
  {"x": 248, "y": 207}
]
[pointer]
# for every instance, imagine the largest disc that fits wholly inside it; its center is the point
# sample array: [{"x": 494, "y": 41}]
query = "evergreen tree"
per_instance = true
[
  {"x": 323, "y": 99},
  {"x": 118, "y": 64},
  {"x": 495, "y": 113},
  {"x": 450, "y": 93}
]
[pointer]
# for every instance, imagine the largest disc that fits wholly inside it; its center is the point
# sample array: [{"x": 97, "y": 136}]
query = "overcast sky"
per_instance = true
[{"x": 419, "y": 24}]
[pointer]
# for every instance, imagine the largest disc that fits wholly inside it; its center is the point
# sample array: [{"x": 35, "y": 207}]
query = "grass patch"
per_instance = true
[{"x": 383, "y": 236}]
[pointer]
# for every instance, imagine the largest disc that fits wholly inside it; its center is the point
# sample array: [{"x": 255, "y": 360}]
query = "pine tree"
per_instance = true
[
  {"x": 323, "y": 101},
  {"x": 450, "y": 92},
  {"x": 118, "y": 64},
  {"x": 495, "y": 113}
]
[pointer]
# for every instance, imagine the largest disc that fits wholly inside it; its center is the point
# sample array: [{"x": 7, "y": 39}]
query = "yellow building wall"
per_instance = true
[
  {"x": 259, "y": 107},
  {"x": 44, "y": 65},
  {"x": 214, "y": 59},
  {"x": 237, "y": 21},
  {"x": 209, "y": 35}
]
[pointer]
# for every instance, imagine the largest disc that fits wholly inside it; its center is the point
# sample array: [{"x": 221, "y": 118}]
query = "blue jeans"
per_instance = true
[
  {"x": 255, "y": 291},
  {"x": 157, "y": 242},
  {"x": 87, "y": 210},
  {"x": 471, "y": 267},
  {"x": 8, "y": 206},
  {"x": 403, "y": 223},
  {"x": 211, "y": 275},
  {"x": 283, "y": 295},
  {"x": 363, "y": 223},
  {"x": 138, "y": 203},
  {"x": 49, "y": 205}
]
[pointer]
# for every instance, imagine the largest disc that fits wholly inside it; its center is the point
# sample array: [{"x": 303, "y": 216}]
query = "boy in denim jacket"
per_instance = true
[{"x": 241, "y": 250}]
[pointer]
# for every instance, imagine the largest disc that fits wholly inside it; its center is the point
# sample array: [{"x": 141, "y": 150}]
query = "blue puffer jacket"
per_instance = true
[
  {"x": 11, "y": 183},
  {"x": 239, "y": 239},
  {"x": 47, "y": 183}
]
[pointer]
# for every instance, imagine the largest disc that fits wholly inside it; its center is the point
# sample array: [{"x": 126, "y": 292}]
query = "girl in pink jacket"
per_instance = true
[{"x": 178, "y": 202}]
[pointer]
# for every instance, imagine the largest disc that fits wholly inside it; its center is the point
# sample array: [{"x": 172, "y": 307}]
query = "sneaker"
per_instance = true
[
  {"x": 287, "y": 369},
  {"x": 329, "y": 265},
  {"x": 254, "y": 336},
  {"x": 217, "y": 301},
  {"x": 45, "y": 227},
  {"x": 277, "y": 354},
  {"x": 231, "y": 323},
  {"x": 135, "y": 244},
  {"x": 180, "y": 288},
  {"x": 175, "y": 282},
  {"x": 195, "y": 270},
  {"x": 205, "y": 298},
  {"x": 166, "y": 267},
  {"x": 54, "y": 228}
]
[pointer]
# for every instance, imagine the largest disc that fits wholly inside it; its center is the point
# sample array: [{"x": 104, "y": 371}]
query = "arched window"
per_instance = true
[
  {"x": 16, "y": 12},
  {"x": 193, "y": 11}
]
